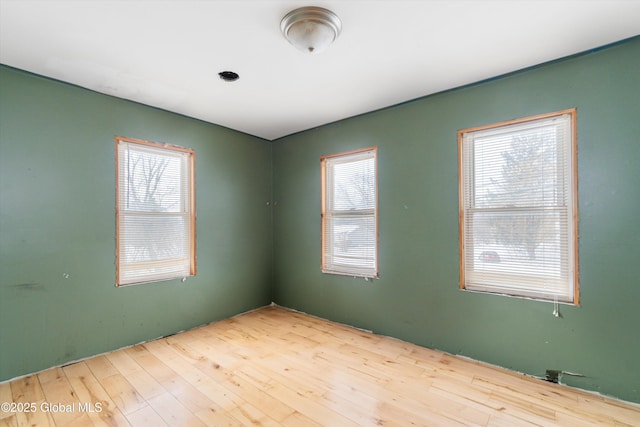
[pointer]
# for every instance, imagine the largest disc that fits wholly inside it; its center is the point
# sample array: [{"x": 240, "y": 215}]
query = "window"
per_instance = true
[
  {"x": 155, "y": 212},
  {"x": 350, "y": 213},
  {"x": 518, "y": 208}
]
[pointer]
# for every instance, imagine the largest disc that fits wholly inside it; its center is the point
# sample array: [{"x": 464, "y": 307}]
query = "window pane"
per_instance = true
[
  {"x": 352, "y": 241},
  {"x": 153, "y": 182},
  {"x": 354, "y": 186},
  {"x": 518, "y": 169},
  {"x": 152, "y": 238},
  {"x": 530, "y": 243}
]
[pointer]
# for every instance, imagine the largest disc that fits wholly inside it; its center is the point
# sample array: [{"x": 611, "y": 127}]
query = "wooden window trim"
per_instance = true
[
  {"x": 192, "y": 199},
  {"x": 323, "y": 207}
]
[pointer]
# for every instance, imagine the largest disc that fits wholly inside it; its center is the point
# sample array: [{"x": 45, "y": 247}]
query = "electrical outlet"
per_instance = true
[{"x": 552, "y": 376}]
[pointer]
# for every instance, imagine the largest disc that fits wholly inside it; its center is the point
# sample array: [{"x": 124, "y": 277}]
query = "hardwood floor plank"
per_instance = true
[
  {"x": 37, "y": 418},
  {"x": 61, "y": 400},
  {"x": 309, "y": 407},
  {"x": 173, "y": 412},
  {"x": 27, "y": 389},
  {"x": 89, "y": 390},
  {"x": 224, "y": 398},
  {"x": 5, "y": 396},
  {"x": 249, "y": 415},
  {"x": 164, "y": 375},
  {"x": 256, "y": 393},
  {"x": 246, "y": 401},
  {"x": 200, "y": 405},
  {"x": 123, "y": 394},
  {"x": 296, "y": 419},
  {"x": 22, "y": 392},
  {"x": 146, "y": 417},
  {"x": 191, "y": 397},
  {"x": 9, "y": 421},
  {"x": 277, "y": 367},
  {"x": 621, "y": 413},
  {"x": 143, "y": 383},
  {"x": 101, "y": 367}
]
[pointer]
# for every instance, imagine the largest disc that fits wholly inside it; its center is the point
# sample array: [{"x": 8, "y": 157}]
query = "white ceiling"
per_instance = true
[{"x": 167, "y": 54}]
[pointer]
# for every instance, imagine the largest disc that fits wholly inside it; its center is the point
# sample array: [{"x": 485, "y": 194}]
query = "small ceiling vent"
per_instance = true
[{"x": 228, "y": 76}]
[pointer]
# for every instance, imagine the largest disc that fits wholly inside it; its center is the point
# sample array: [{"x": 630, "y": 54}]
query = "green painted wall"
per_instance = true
[
  {"x": 57, "y": 218},
  {"x": 417, "y": 296},
  {"x": 57, "y": 198}
]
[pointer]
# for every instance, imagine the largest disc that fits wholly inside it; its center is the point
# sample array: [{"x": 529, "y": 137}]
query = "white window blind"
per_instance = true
[
  {"x": 518, "y": 208},
  {"x": 349, "y": 214},
  {"x": 155, "y": 212}
]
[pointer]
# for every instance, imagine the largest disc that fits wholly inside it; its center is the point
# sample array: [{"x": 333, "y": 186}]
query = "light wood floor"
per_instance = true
[{"x": 274, "y": 367}]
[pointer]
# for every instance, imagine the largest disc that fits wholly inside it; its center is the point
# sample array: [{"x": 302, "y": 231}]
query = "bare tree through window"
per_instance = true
[
  {"x": 527, "y": 183},
  {"x": 153, "y": 186}
]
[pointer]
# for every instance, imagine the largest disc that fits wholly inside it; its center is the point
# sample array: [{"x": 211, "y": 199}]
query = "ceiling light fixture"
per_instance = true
[{"x": 311, "y": 29}]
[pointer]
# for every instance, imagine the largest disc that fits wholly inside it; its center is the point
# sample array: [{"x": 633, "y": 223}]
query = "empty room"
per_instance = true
[{"x": 330, "y": 213}]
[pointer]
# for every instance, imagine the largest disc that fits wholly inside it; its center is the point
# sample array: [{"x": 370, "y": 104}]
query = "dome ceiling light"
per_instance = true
[{"x": 311, "y": 29}]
